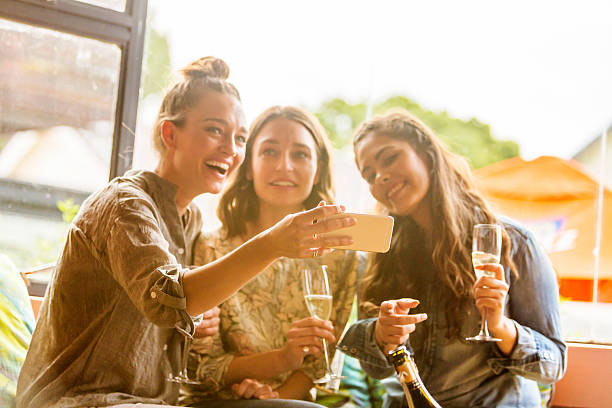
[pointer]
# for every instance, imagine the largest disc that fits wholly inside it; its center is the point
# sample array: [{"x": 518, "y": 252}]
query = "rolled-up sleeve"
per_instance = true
[
  {"x": 540, "y": 353},
  {"x": 139, "y": 260}
]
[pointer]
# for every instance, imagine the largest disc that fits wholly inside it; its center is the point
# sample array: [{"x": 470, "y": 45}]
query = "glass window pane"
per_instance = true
[
  {"x": 117, "y": 5},
  {"x": 58, "y": 97},
  {"x": 31, "y": 241},
  {"x": 57, "y": 107}
]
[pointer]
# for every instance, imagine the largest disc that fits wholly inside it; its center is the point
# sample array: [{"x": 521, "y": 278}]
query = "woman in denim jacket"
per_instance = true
[{"x": 430, "y": 193}]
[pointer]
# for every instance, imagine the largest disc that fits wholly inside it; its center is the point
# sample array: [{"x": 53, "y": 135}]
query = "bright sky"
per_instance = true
[{"x": 539, "y": 72}]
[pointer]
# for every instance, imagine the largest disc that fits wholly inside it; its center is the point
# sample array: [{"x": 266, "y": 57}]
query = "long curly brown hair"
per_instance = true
[
  {"x": 239, "y": 203},
  {"x": 456, "y": 207}
]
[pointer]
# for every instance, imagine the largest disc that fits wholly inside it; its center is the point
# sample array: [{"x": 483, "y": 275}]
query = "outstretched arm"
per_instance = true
[{"x": 295, "y": 236}]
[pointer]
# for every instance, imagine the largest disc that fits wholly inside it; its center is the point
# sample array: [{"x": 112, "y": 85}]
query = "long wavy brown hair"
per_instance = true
[
  {"x": 239, "y": 203},
  {"x": 456, "y": 207}
]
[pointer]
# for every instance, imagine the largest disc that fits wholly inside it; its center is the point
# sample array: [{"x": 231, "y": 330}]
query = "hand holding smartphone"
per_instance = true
[{"x": 371, "y": 233}]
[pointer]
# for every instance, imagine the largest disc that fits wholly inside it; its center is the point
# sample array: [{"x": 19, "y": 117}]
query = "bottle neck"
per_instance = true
[
  {"x": 417, "y": 395},
  {"x": 408, "y": 371}
]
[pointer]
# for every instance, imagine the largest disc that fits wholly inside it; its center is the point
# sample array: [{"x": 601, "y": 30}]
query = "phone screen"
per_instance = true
[{"x": 372, "y": 233}]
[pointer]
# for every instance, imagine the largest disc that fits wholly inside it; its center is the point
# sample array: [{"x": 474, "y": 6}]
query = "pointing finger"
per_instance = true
[
  {"x": 404, "y": 305},
  {"x": 400, "y": 320}
]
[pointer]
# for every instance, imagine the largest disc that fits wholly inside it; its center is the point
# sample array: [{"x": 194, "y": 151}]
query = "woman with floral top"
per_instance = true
[
  {"x": 265, "y": 331},
  {"x": 108, "y": 330}
]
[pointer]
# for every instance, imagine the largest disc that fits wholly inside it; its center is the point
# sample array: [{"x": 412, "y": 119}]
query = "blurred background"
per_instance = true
[{"x": 521, "y": 90}]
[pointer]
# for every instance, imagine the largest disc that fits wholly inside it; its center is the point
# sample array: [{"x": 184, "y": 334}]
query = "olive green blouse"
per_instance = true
[{"x": 105, "y": 333}]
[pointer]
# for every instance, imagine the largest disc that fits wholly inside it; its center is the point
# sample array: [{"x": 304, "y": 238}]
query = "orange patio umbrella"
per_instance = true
[{"x": 558, "y": 202}]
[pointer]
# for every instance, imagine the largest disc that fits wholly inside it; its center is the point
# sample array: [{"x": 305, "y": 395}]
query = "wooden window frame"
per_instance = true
[{"x": 124, "y": 29}]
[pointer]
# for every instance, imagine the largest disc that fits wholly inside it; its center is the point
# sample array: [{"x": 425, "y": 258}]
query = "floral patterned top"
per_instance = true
[{"x": 256, "y": 319}]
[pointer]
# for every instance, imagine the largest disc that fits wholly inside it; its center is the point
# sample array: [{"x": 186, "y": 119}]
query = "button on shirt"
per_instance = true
[{"x": 106, "y": 331}]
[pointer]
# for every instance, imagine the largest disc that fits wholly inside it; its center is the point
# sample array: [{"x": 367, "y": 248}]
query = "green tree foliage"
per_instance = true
[
  {"x": 68, "y": 208},
  {"x": 156, "y": 69},
  {"x": 471, "y": 139},
  {"x": 47, "y": 250},
  {"x": 44, "y": 249}
]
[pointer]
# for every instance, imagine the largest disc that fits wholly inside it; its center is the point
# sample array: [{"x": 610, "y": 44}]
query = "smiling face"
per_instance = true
[
  {"x": 208, "y": 146},
  {"x": 397, "y": 176},
  {"x": 283, "y": 164}
]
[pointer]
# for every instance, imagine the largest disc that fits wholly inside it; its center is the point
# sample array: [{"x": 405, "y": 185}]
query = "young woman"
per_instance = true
[
  {"x": 430, "y": 193},
  {"x": 106, "y": 331},
  {"x": 266, "y": 332}
]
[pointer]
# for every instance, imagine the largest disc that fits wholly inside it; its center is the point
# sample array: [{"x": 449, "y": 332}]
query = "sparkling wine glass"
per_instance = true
[
  {"x": 486, "y": 249},
  {"x": 182, "y": 376},
  {"x": 319, "y": 302}
]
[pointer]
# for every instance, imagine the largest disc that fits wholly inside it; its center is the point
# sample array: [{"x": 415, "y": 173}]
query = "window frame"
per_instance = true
[{"x": 124, "y": 29}]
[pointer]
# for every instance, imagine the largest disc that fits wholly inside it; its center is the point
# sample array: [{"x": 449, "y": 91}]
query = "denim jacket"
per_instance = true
[{"x": 462, "y": 374}]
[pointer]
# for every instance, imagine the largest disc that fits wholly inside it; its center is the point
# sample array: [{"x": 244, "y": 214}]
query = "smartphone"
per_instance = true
[{"x": 372, "y": 233}]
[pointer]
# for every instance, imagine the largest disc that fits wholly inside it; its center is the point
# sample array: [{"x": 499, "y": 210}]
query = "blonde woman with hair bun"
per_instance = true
[{"x": 108, "y": 331}]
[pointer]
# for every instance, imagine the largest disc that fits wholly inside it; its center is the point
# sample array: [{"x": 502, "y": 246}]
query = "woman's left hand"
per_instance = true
[
  {"x": 490, "y": 294},
  {"x": 304, "y": 338}
]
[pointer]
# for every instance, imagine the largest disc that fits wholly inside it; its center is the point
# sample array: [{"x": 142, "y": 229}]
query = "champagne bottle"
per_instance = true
[{"x": 408, "y": 375}]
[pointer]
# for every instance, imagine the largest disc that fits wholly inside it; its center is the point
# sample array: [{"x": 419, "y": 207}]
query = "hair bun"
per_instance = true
[{"x": 206, "y": 67}]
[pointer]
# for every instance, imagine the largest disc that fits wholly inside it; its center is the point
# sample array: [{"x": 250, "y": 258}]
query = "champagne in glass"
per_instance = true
[
  {"x": 486, "y": 249},
  {"x": 319, "y": 302},
  {"x": 480, "y": 258},
  {"x": 319, "y": 305}
]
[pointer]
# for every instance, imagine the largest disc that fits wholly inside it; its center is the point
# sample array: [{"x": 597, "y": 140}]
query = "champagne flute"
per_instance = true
[
  {"x": 182, "y": 376},
  {"x": 486, "y": 249},
  {"x": 319, "y": 302}
]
